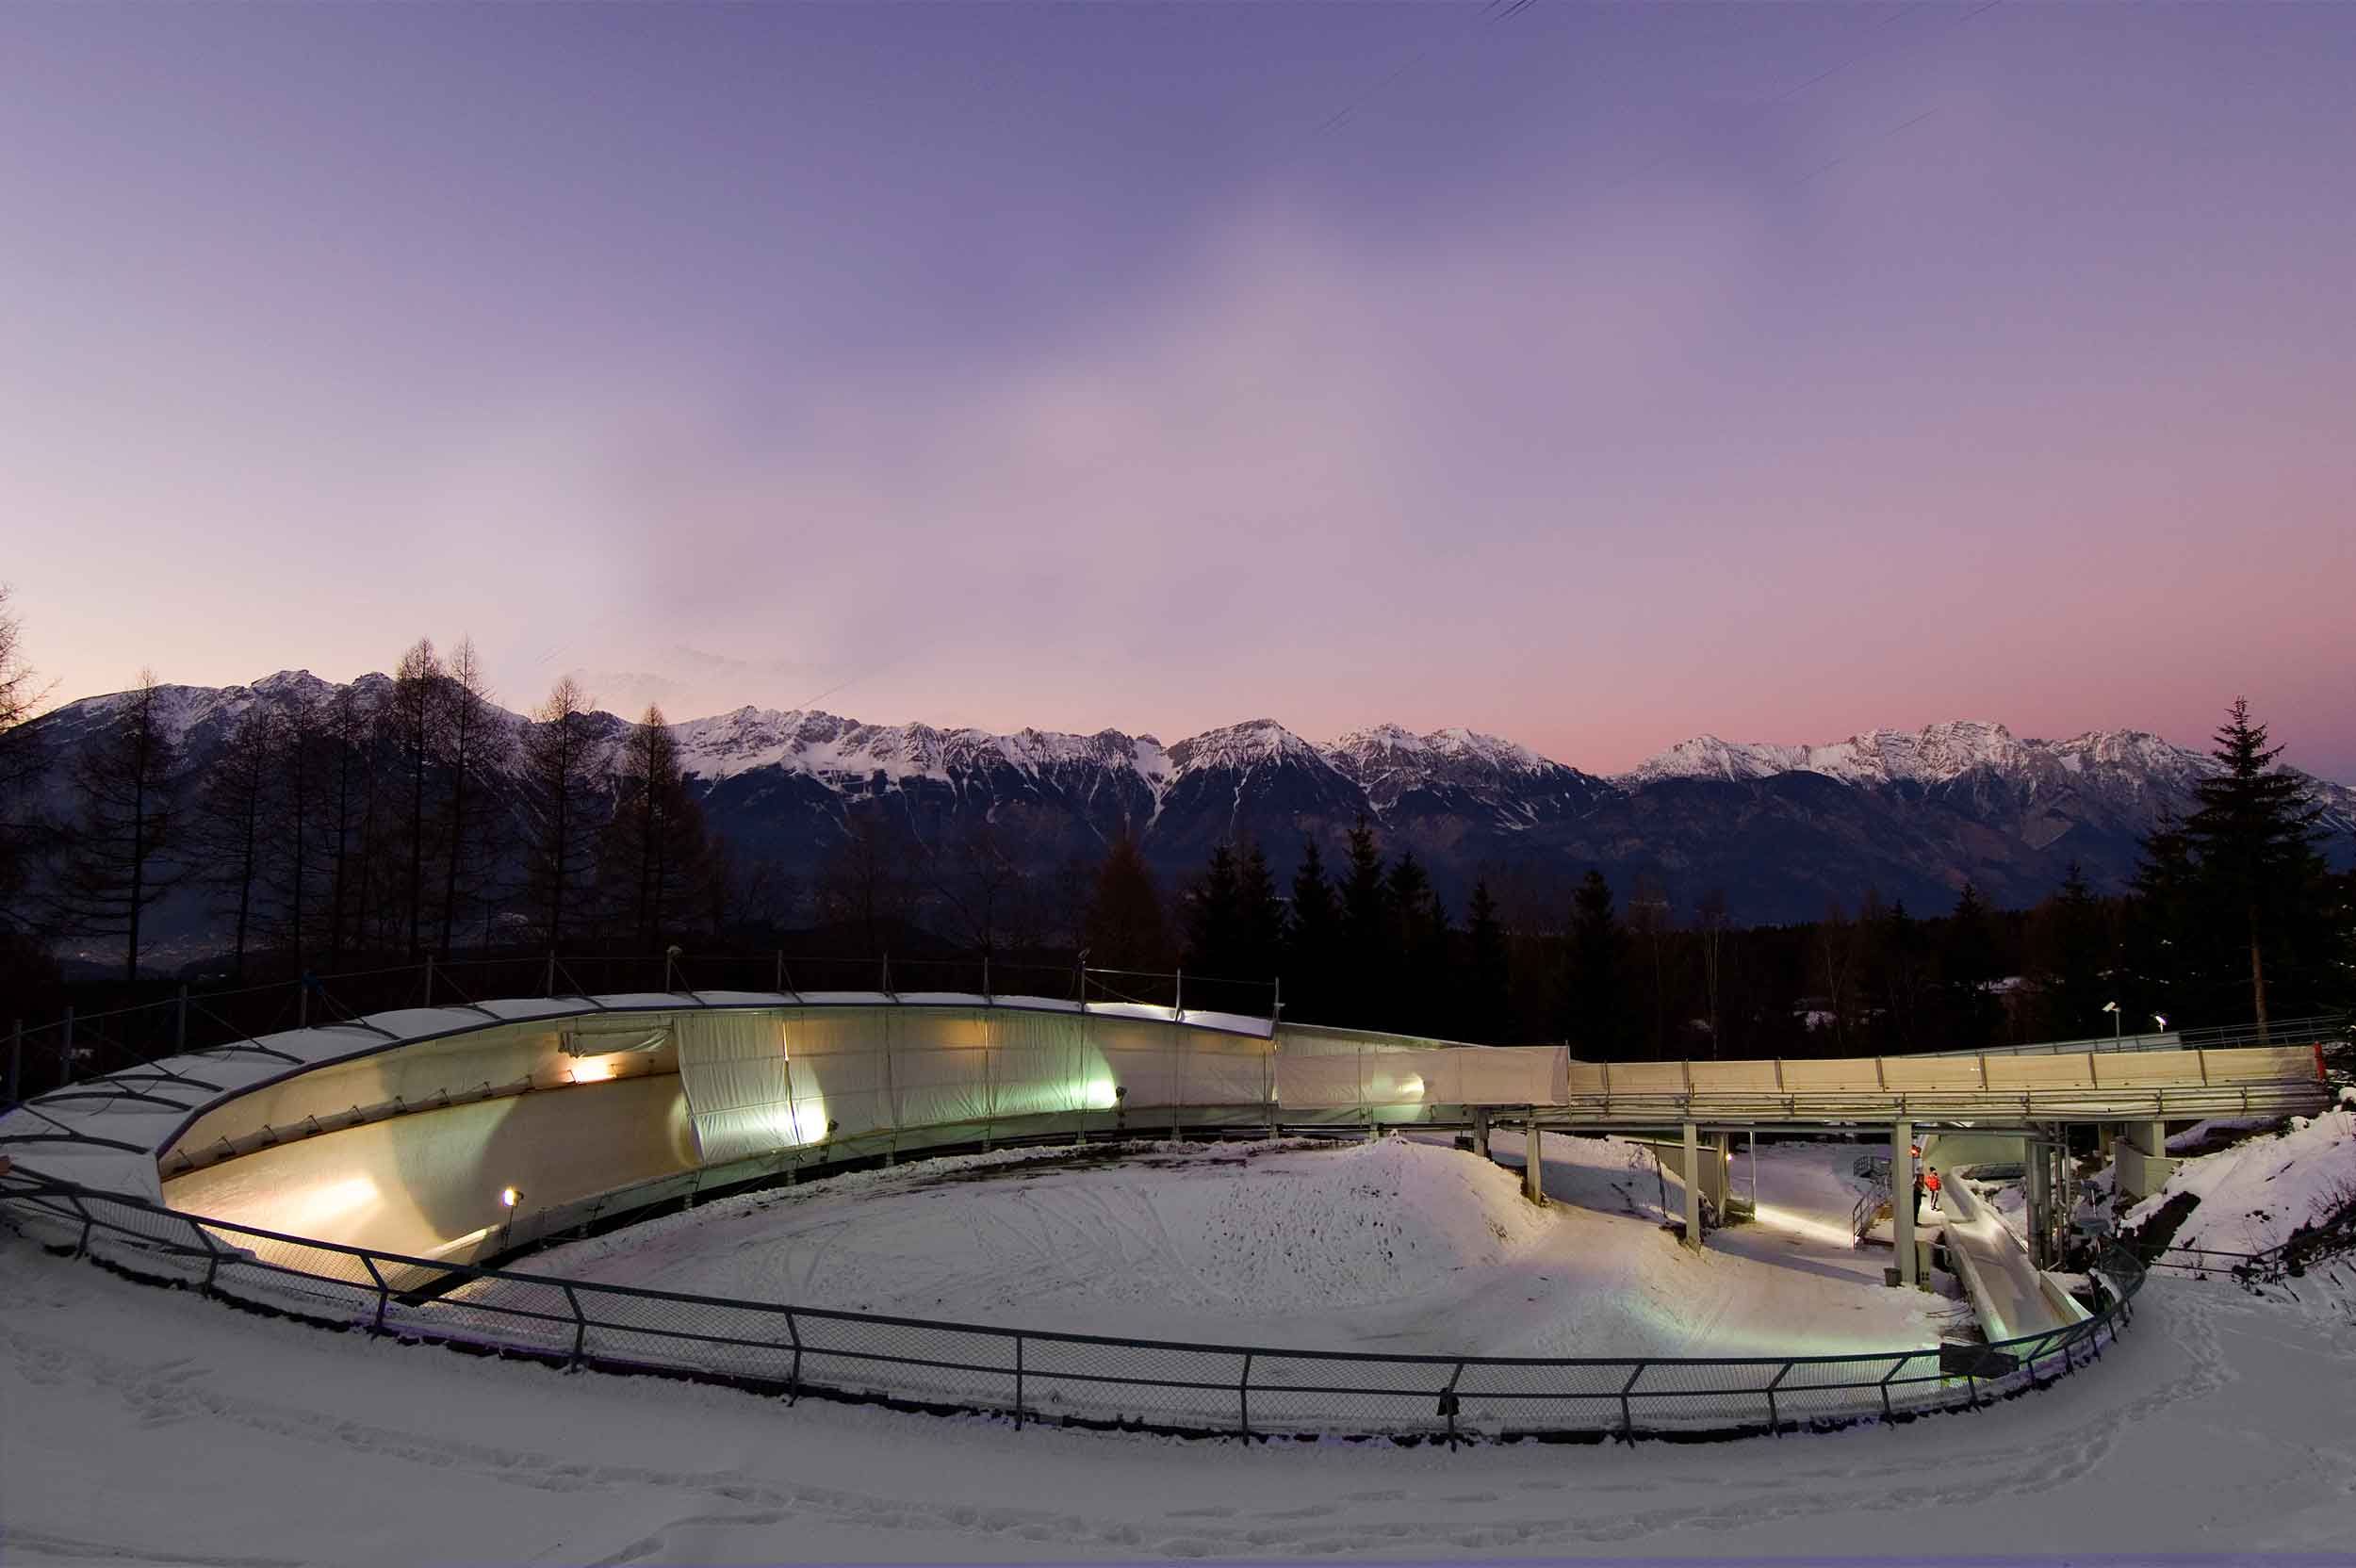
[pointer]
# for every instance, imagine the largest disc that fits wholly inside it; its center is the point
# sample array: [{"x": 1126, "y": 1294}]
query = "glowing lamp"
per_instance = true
[{"x": 508, "y": 1195}]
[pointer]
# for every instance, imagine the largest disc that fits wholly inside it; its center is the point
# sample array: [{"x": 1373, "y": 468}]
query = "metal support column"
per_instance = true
[
  {"x": 1693, "y": 1186},
  {"x": 2037, "y": 1168},
  {"x": 1480, "y": 1132},
  {"x": 1901, "y": 1199},
  {"x": 1534, "y": 1161}
]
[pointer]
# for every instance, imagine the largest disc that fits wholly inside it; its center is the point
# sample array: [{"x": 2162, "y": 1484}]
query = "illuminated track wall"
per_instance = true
[{"x": 403, "y": 1130}]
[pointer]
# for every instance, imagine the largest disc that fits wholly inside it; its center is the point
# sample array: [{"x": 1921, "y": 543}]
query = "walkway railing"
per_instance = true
[{"x": 1026, "y": 1375}]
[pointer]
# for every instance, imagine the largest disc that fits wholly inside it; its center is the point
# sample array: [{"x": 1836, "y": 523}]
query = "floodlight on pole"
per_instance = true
[{"x": 2112, "y": 1008}]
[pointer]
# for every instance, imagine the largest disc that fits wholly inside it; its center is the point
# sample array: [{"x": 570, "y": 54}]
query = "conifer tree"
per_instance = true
[
  {"x": 1968, "y": 965},
  {"x": 1127, "y": 928},
  {"x": 473, "y": 742},
  {"x": 1259, "y": 918},
  {"x": 23, "y": 834},
  {"x": 350, "y": 732},
  {"x": 1312, "y": 935},
  {"x": 1592, "y": 1015},
  {"x": 235, "y": 806},
  {"x": 1212, "y": 916},
  {"x": 560, "y": 769},
  {"x": 1488, "y": 971},
  {"x": 2255, "y": 840},
  {"x": 118, "y": 850},
  {"x": 654, "y": 856},
  {"x": 1419, "y": 944},
  {"x": 1366, "y": 945},
  {"x": 2074, "y": 967},
  {"x": 414, "y": 716}
]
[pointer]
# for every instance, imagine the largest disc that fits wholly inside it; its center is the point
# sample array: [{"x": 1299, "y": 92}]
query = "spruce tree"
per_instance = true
[
  {"x": 1415, "y": 976},
  {"x": 1592, "y": 1013},
  {"x": 2075, "y": 966},
  {"x": 1259, "y": 919},
  {"x": 2255, "y": 840},
  {"x": 1125, "y": 927},
  {"x": 1488, "y": 971},
  {"x": 1213, "y": 917},
  {"x": 1312, "y": 935},
  {"x": 1366, "y": 948},
  {"x": 1968, "y": 965}
]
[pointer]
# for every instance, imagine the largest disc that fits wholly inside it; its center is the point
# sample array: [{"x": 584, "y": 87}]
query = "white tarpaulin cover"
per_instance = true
[{"x": 733, "y": 1067}]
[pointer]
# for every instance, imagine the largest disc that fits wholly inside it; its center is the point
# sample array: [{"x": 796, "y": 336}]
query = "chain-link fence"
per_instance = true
[{"x": 1076, "y": 1379}]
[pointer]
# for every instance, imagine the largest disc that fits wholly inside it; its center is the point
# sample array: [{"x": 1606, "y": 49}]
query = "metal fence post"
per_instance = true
[
  {"x": 793, "y": 1378},
  {"x": 550, "y": 990},
  {"x": 1243, "y": 1399},
  {"x": 1018, "y": 1383},
  {"x": 429, "y": 980},
  {"x": 212, "y": 1255},
  {"x": 1774, "y": 1416},
  {"x": 383, "y": 1293},
  {"x": 580, "y": 1327},
  {"x": 1628, "y": 1415}
]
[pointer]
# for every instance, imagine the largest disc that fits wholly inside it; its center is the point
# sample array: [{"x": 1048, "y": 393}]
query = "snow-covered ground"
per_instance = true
[
  {"x": 1399, "y": 1244},
  {"x": 140, "y": 1425},
  {"x": 2255, "y": 1193}
]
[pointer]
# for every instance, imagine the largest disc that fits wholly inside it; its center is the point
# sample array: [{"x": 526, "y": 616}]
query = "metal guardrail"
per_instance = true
[
  {"x": 2323, "y": 1028},
  {"x": 1067, "y": 1379}
]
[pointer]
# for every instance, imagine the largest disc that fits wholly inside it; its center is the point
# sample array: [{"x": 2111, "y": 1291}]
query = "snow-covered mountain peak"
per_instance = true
[
  {"x": 1384, "y": 747},
  {"x": 1254, "y": 743},
  {"x": 1936, "y": 754}
]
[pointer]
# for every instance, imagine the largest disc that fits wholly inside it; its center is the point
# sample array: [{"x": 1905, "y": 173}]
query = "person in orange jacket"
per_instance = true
[{"x": 1930, "y": 1185}]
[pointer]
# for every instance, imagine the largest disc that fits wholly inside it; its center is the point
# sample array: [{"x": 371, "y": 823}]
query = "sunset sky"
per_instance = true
[{"x": 1592, "y": 374}]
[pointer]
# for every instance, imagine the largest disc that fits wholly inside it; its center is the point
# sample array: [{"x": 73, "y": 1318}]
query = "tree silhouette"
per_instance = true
[
  {"x": 2254, "y": 839},
  {"x": 117, "y": 863}
]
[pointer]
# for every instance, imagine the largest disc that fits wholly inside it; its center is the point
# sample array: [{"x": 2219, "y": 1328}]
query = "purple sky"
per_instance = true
[{"x": 1602, "y": 375}]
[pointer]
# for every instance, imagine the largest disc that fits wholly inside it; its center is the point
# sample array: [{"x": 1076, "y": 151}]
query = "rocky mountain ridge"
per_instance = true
[{"x": 1782, "y": 829}]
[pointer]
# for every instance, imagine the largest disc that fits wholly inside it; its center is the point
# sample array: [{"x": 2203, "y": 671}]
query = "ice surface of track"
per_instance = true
[{"x": 1397, "y": 1244}]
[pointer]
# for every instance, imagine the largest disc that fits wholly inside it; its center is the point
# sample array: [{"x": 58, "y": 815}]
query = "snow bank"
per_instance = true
[
  {"x": 1402, "y": 1245},
  {"x": 2253, "y": 1195}
]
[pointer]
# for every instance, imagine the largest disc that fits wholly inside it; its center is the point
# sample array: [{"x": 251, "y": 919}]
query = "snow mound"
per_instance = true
[
  {"x": 1368, "y": 1223},
  {"x": 2249, "y": 1197}
]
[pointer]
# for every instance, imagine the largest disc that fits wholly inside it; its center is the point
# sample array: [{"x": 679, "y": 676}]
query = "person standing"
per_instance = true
[{"x": 1931, "y": 1182}]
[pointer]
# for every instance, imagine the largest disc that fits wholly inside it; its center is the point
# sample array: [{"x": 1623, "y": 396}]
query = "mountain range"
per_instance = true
[{"x": 1782, "y": 830}]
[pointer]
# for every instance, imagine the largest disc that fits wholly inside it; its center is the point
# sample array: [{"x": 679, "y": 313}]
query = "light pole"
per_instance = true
[{"x": 2112, "y": 1008}]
